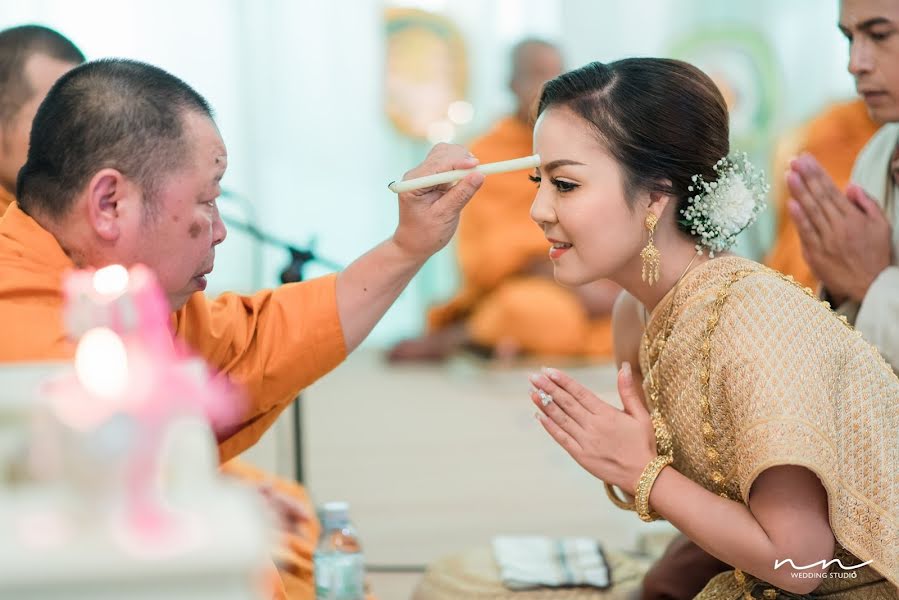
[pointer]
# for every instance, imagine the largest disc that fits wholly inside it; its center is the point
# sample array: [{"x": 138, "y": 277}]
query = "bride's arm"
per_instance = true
[
  {"x": 786, "y": 519},
  {"x": 787, "y": 516}
]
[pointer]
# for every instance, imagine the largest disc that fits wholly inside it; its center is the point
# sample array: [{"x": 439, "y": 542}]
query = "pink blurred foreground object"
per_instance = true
[{"x": 129, "y": 372}]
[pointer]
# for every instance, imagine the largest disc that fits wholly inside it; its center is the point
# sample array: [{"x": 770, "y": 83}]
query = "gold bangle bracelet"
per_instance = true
[
  {"x": 616, "y": 499},
  {"x": 644, "y": 486}
]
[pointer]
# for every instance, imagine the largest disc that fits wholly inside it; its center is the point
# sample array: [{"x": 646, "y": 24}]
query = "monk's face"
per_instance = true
[
  {"x": 580, "y": 202},
  {"x": 872, "y": 28},
  {"x": 536, "y": 64},
  {"x": 178, "y": 238},
  {"x": 41, "y": 72}
]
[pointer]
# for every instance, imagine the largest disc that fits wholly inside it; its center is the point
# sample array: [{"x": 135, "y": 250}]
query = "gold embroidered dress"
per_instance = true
[{"x": 753, "y": 372}]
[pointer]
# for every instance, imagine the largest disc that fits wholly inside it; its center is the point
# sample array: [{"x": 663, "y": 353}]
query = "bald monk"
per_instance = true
[
  {"x": 834, "y": 137},
  {"x": 509, "y": 303},
  {"x": 142, "y": 188},
  {"x": 32, "y": 58}
]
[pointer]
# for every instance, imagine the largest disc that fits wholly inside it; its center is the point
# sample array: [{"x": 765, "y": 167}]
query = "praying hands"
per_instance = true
[
  {"x": 613, "y": 445},
  {"x": 845, "y": 236}
]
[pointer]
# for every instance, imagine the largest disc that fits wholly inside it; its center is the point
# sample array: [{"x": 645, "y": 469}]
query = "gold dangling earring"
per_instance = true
[{"x": 650, "y": 254}]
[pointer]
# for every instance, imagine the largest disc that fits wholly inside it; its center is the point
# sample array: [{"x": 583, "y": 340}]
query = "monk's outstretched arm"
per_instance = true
[
  {"x": 276, "y": 342},
  {"x": 428, "y": 219}
]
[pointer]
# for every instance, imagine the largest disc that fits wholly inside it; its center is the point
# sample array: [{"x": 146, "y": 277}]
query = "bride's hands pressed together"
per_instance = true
[{"x": 612, "y": 444}]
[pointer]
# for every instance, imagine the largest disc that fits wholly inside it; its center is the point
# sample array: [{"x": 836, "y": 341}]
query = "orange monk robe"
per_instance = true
[
  {"x": 234, "y": 334},
  {"x": 497, "y": 240},
  {"x": 294, "y": 556},
  {"x": 834, "y": 138},
  {"x": 5, "y": 200}
]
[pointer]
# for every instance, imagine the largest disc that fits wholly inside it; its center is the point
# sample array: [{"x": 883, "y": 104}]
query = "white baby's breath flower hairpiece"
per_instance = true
[{"x": 719, "y": 210}]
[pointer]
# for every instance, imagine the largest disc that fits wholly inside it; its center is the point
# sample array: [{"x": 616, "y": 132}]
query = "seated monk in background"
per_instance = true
[
  {"x": 32, "y": 58},
  {"x": 509, "y": 303}
]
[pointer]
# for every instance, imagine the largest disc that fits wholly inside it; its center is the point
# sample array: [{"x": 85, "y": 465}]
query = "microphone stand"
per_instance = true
[
  {"x": 299, "y": 256},
  {"x": 293, "y": 273}
]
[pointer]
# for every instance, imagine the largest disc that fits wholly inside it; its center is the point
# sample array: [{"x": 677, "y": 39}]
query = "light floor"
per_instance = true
[{"x": 436, "y": 459}]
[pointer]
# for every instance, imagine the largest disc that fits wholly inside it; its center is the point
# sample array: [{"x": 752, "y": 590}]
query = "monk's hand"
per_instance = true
[
  {"x": 846, "y": 239},
  {"x": 290, "y": 513},
  {"x": 613, "y": 445},
  {"x": 429, "y": 217}
]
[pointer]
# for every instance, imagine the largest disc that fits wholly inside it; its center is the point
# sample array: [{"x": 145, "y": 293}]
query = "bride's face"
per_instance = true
[{"x": 592, "y": 230}]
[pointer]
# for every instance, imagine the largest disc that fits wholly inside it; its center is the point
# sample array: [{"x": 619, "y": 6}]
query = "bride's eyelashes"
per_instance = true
[{"x": 560, "y": 184}]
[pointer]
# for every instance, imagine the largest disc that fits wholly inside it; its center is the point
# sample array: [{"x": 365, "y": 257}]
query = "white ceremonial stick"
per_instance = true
[{"x": 516, "y": 164}]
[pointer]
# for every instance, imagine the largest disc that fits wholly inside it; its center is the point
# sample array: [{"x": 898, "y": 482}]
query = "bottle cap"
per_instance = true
[{"x": 335, "y": 515}]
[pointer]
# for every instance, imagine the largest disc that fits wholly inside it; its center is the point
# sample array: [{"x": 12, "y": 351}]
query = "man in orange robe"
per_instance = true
[
  {"x": 75, "y": 212},
  {"x": 834, "y": 137},
  {"x": 32, "y": 264},
  {"x": 509, "y": 302},
  {"x": 32, "y": 58}
]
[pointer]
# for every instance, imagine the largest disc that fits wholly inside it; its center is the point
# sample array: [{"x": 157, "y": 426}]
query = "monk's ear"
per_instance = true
[{"x": 107, "y": 196}]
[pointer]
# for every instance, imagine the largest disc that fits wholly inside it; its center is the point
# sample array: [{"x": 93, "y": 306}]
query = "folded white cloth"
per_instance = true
[{"x": 527, "y": 562}]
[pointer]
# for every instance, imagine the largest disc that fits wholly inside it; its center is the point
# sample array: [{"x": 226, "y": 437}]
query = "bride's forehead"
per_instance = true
[
  {"x": 557, "y": 130},
  {"x": 560, "y": 125}
]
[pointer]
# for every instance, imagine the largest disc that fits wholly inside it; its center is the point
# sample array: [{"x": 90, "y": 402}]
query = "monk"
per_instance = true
[
  {"x": 32, "y": 58},
  {"x": 509, "y": 303},
  {"x": 156, "y": 206},
  {"x": 835, "y": 137}
]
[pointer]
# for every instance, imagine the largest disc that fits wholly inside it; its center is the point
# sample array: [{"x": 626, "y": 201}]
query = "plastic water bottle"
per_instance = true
[{"x": 339, "y": 566}]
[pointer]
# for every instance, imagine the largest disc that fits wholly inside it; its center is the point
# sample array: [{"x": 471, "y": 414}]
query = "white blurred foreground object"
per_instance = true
[
  {"x": 108, "y": 468},
  {"x": 516, "y": 164}
]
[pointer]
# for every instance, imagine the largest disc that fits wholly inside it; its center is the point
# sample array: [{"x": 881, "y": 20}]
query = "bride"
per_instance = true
[{"x": 755, "y": 420}]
